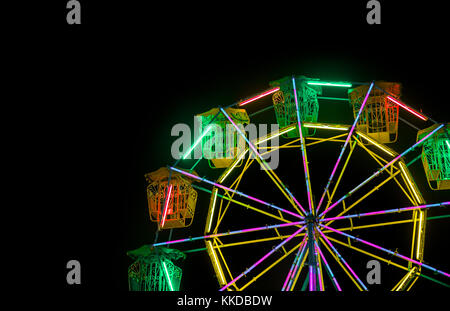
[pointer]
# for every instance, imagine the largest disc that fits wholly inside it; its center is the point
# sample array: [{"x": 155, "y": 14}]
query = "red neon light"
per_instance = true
[
  {"x": 407, "y": 108},
  {"x": 166, "y": 207},
  {"x": 259, "y": 96}
]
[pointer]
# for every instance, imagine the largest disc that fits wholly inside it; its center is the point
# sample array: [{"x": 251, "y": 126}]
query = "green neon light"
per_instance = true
[
  {"x": 330, "y": 84},
  {"x": 197, "y": 142},
  {"x": 168, "y": 278},
  {"x": 438, "y": 217},
  {"x": 448, "y": 144}
]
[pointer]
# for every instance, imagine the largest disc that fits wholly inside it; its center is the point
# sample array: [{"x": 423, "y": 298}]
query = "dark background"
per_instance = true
[{"x": 116, "y": 85}]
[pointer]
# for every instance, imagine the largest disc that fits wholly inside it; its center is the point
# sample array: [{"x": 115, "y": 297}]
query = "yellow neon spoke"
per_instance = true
[
  {"x": 333, "y": 138},
  {"x": 412, "y": 283},
  {"x": 365, "y": 196},
  {"x": 367, "y": 253},
  {"x": 259, "y": 240},
  {"x": 223, "y": 259},
  {"x": 352, "y": 147},
  {"x": 340, "y": 263},
  {"x": 276, "y": 180},
  {"x": 278, "y": 234},
  {"x": 410, "y": 198},
  {"x": 299, "y": 270},
  {"x": 270, "y": 267}
]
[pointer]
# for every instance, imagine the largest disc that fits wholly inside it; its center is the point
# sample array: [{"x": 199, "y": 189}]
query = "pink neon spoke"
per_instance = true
[
  {"x": 318, "y": 268},
  {"x": 344, "y": 147},
  {"x": 167, "y": 206},
  {"x": 394, "y": 210},
  {"x": 381, "y": 170},
  {"x": 235, "y": 191},
  {"x": 341, "y": 258},
  {"x": 252, "y": 146},
  {"x": 263, "y": 258},
  {"x": 259, "y": 96},
  {"x": 216, "y": 235},
  {"x": 387, "y": 251},
  {"x": 407, "y": 108},
  {"x": 302, "y": 143},
  {"x": 333, "y": 278},
  {"x": 295, "y": 264}
]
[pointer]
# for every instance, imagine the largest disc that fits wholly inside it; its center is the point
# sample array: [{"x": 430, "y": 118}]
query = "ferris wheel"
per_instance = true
[{"x": 309, "y": 235}]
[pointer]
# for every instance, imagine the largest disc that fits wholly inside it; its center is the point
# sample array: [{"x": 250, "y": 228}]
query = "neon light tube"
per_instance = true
[
  {"x": 233, "y": 166},
  {"x": 448, "y": 144},
  {"x": 341, "y": 258},
  {"x": 411, "y": 184},
  {"x": 419, "y": 234},
  {"x": 259, "y": 96},
  {"x": 333, "y": 278},
  {"x": 345, "y": 146},
  {"x": 319, "y": 277},
  {"x": 407, "y": 108},
  {"x": 167, "y": 206},
  {"x": 216, "y": 262},
  {"x": 216, "y": 235},
  {"x": 405, "y": 278},
  {"x": 212, "y": 210},
  {"x": 381, "y": 170},
  {"x": 263, "y": 162},
  {"x": 330, "y": 84},
  {"x": 275, "y": 135},
  {"x": 235, "y": 191},
  {"x": 387, "y": 251},
  {"x": 297, "y": 260},
  {"x": 167, "y": 275},
  {"x": 302, "y": 147},
  {"x": 326, "y": 126},
  {"x": 197, "y": 141},
  {"x": 394, "y": 210},
  {"x": 263, "y": 258},
  {"x": 373, "y": 142}
]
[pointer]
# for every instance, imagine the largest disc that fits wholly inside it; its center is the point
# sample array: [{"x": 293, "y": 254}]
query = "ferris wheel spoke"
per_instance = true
[
  {"x": 295, "y": 264},
  {"x": 303, "y": 150},
  {"x": 344, "y": 167},
  {"x": 263, "y": 163},
  {"x": 381, "y": 170},
  {"x": 379, "y": 159},
  {"x": 327, "y": 266},
  {"x": 344, "y": 147},
  {"x": 341, "y": 261},
  {"x": 389, "y": 211},
  {"x": 215, "y": 235},
  {"x": 254, "y": 279},
  {"x": 233, "y": 186},
  {"x": 401, "y": 169},
  {"x": 235, "y": 191},
  {"x": 352, "y": 247},
  {"x": 247, "y": 206},
  {"x": 388, "y": 251},
  {"x": 363, "y": 197},
  {"x": 262, "y": 259},
  {"x": 259, "y": 240}
]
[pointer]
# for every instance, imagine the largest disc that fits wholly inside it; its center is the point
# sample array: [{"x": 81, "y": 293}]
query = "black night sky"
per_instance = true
[{"x": 131, "y": 71}]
